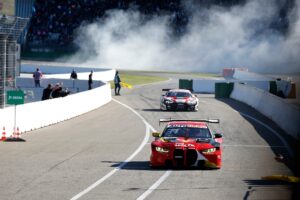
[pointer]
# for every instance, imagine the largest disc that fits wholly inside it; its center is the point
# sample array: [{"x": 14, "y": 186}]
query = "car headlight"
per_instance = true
[
  {"x": 168, "y": 101},
  {"x": 192, "y": 101},
  {"x": 161, "y": 149},
  {"x": 208, "y": 151}
]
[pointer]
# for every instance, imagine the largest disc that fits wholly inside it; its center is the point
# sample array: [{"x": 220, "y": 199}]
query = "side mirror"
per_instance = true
[
  {"x": 218, "y": 135},
  {"x": 155, "y": 134}
]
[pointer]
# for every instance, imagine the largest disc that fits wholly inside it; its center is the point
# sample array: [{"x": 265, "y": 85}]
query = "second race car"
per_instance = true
[{"x": 178, "y": 99}]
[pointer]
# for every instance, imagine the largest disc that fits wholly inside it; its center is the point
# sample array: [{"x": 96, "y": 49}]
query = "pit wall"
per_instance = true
[
  {"x": 39, "y": 114},
  {"x": 78, "y": 85},
  {"x": 64, "y": 72},
  {"x": 246, "y": 75},
  {"x": 287, "y": 116},
  {"x": 36, "y": 114},
  {"x": 208, "y": 86}
]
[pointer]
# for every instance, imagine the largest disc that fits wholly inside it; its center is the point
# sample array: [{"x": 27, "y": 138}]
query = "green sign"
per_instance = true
[{"x": 15, "y": 97}]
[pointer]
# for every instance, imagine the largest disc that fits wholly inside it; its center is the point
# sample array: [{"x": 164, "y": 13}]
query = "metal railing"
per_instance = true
[{"x": 10, "y": 29}]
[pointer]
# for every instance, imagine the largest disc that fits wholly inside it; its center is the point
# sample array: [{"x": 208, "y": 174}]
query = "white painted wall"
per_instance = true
[
  {"x": 208, "y": 85},
  {"x": 205, "y": 85},
  {"x": 247, "y": 76},
  {"x": 106, "y": 75},
  {"x": 287, "y": 116},
  {"x": 35, "y": 115},
  {"x": 38, "y": 113},
  {"x": 263, "y": 85}
]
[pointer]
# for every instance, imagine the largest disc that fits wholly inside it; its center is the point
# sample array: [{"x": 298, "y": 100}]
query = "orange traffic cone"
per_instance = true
[
  {"x": 15, "y": 136},
  {"x": 3, "y": 134}
]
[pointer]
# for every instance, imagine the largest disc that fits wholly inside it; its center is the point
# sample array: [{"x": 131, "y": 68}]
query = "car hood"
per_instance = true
[
  {"x": 190, "y": 143},
  {"x": 178, "y": 99}
]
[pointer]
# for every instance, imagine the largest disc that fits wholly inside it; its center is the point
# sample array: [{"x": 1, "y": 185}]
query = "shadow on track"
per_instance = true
[
  {"x": 273, "y": 142},
  {"x": 152, "y": 110},
  {"x": 292, "y": 163},
  {"x": 144, "y": 165},
  {"x": 165, "y": 111}
]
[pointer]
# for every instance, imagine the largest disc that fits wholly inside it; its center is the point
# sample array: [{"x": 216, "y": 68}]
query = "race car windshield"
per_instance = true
[
  {"x": 178, "y": 94},
  {"x": 189, "y": 132}
]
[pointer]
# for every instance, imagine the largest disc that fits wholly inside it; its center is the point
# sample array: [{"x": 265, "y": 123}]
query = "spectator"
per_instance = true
[
  {"x": 74, "y": 74},
  {"x": 53, "y": 22},
  {"x": 90, "y": 82},
  {"x": 37, "y": 75},
  {"x": 117, "y": 82},
  {"x": 57, "y": 91},
  {"x": 46, "y": 92}
]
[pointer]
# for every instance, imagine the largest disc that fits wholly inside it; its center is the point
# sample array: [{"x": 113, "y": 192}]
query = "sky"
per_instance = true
[{"x": 215, "y": 38}]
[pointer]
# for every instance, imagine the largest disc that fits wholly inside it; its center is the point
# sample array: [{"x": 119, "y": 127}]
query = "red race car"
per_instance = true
[{"x": 186, "y": 143}]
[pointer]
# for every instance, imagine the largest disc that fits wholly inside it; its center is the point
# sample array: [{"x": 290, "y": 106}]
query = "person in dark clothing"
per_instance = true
[
  {"x": 59, "y": 92},
  {"x": 117, "y": 82},
  {"x": 46, "y": 92},
  {"x": 90, "y": 82},
  {"x": 74, "y": 74},
  {"x": 56, "y": 91}
]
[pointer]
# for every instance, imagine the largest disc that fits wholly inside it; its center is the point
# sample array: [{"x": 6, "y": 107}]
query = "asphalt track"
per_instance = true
[{"x": 104, "y": 154}]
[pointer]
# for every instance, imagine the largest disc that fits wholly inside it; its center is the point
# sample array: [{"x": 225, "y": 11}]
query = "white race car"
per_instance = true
[{"x": 178, "y": 99}]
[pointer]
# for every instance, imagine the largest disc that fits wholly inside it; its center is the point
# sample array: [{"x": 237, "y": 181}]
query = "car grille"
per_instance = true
[
  {"x": 191, "y": 157},
  {"x": 188, "y": 156},
  {"x": 179, "y": 157}
]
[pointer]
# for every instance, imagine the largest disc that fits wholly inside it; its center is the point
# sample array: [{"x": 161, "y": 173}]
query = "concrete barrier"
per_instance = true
[
  {"x": 287, "y": 116},
  {"x": 247, "y": 76},
  {"x": 205, "y": 85},
  {"x": 35, "y": 115},
  {"x": 105, "y": 75},
  {"x": 79, "y": 85}
]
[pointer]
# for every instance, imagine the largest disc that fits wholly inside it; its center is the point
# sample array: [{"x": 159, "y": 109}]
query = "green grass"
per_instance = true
[
  {"x": 138, "y": 79},
  {"x": 206, "y": 75}
]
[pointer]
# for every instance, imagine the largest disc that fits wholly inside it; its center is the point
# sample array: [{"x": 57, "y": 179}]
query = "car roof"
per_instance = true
[
  {"x": 180, "y": 90},
  {"x": 187, "y": 124}
]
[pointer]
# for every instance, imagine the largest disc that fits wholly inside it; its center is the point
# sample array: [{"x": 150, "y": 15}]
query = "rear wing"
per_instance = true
[
  {"x": 215, "y": 121},
  {"x": 166, "y": 89}
]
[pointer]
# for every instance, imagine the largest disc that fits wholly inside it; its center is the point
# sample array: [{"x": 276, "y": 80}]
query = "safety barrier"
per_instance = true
[
  {"x": 208, "y": 85},
  {"x": 64, "y": 71},
  {"x": 79, "y": 85},
  {"x": 39, "y": 114},
  {"x": 35, "y": 115},
  {"x": 245, "y": 75},
  {"x": 205, "y": 85},
  {"x": 287, "y": 116}
]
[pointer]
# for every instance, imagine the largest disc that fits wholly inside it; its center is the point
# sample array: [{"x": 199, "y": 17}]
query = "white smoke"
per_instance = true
[{"x": 216, "y": 38}]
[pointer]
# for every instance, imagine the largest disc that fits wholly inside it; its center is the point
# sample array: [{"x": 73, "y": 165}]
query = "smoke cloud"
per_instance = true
[{"x": 215, "y": 38}]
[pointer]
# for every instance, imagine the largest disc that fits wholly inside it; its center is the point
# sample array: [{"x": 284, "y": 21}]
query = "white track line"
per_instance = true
[
  {"x": 254, "y": 146},
  {"x": 155, "y": 185},
  {"x": 290, "y": 151},
  {"x": 146, "y": 138}
]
